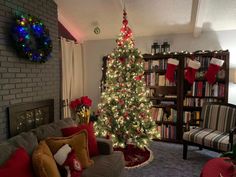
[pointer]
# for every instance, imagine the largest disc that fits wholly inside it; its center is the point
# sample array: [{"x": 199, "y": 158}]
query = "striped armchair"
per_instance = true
[{"x": 216, "y": 131}]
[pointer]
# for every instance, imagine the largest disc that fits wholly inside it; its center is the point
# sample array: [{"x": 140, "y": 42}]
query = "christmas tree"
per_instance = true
[{"x": 124, "y": 108}]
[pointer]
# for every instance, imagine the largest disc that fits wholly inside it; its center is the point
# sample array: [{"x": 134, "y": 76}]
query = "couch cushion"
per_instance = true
[
  {"x": 106, "y": 166},
  {"x": 19, "y": 164},
  {"x": 78, "y": 142},
  {"x": 8, "y": 149},
  {"x": 52, "y": 129},
  {"x": 208, "y": 137},
  {"x": 43, "y": 162},
  {"x": 26, "y": 140}
]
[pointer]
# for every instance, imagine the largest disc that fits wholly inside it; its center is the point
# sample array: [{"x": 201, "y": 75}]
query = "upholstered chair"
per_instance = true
[{"x": 216, "y": 130}]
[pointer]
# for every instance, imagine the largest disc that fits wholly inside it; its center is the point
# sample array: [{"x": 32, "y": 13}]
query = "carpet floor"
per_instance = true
[{"x": 168, "y": 162}]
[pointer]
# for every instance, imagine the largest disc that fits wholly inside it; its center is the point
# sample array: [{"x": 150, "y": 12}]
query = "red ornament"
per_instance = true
[
  {"x": 125, "y": 30},
  {"x": 125, "y": 22},
  {"x": 126, "y": 114},
  {"x": 108, "y": 136},
  {"x": 122, "y": 60},
  {"x": 121, "y": 102},
  {"x": 138, "y": 78},
  {"x": 142, "y": 114}
]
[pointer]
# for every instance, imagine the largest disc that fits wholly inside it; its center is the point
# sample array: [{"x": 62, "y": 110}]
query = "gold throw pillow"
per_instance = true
[
  {"x": 43, "y": 162},
  {"x": 78, "y": 142}
]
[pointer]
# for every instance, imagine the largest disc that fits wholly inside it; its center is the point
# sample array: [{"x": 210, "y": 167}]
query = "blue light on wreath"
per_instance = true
[{"x": 32, "y": 38}]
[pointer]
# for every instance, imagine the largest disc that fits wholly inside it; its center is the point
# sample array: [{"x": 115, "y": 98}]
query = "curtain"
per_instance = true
[{"x": 72, "y": 73}]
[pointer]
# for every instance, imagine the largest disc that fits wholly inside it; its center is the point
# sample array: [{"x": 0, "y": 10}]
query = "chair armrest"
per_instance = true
[
  {"x": 105, "y": 146},
  {"x": 231, "y": 136}
]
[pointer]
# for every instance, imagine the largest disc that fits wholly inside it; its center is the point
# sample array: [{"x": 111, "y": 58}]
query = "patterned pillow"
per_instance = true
[{"x": 66, "y": 157}]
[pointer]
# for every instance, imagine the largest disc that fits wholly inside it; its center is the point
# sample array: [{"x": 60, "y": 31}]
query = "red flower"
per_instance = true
[
  {"x": 73, "y": 105},
  {"x": 86, "y": 101},
  {"x": 77, "y": 101},
  {"x": 83, "y": 101}
]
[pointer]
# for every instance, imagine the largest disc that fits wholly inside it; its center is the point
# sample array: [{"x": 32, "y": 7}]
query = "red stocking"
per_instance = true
[
  {"x": 192, "y": 67},
  {"x": 213, "y": 69},
  {"x": 67, "y": 158},
  {"x": 171, "y": 66}
]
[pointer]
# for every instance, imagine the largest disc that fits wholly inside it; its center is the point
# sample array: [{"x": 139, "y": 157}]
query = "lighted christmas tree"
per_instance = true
[{"x": 124, "y": 108}]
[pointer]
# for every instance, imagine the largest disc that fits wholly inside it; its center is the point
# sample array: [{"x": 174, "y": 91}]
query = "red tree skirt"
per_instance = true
[{"x": 135, "y": 157}]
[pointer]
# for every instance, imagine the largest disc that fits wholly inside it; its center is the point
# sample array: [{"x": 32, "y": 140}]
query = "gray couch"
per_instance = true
[{"x": 108, "y": 164}]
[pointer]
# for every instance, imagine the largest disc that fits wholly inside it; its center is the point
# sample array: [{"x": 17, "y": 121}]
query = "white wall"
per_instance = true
[{"x": 95, "y": 50}]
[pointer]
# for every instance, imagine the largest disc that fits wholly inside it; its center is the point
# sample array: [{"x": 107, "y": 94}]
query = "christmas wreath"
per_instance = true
[{"x": 32, "y": 38}]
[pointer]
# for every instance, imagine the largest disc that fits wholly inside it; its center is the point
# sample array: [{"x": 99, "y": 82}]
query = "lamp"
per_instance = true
[
  {"x": 155, "y": 48},
  {"x": 165, "y": 47}
]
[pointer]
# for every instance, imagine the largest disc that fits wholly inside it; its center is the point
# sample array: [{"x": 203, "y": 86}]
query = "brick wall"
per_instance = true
[{"x": 20, "y": 80}]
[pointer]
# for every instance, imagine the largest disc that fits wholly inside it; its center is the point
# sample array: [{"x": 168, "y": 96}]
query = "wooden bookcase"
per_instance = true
[{"x": 177, "y": 106}]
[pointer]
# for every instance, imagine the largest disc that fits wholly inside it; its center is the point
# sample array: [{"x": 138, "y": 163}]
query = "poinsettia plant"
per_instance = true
[
  {"x": 78, "y": 103},
  {"x": 81, "y": 108}
]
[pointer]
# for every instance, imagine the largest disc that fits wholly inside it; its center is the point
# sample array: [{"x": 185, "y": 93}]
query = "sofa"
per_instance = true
[{"x": 108, "y": 163}]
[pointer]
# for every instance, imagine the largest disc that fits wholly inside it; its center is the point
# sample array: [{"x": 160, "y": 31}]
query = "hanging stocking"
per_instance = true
[
  {"x": 213, "y": 69},
  {"x": 192, "y": 67},
  {"x": 171, "y": 66}
]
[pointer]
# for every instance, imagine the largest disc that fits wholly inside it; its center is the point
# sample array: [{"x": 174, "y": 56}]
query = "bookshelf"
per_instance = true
[{"x": 176, "y": 107}]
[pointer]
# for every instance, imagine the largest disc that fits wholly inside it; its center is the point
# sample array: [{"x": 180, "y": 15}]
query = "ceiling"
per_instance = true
[{"x": 146, "y": 17}]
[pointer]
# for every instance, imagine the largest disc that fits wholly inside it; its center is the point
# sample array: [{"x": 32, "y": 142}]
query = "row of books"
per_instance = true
[
  {"x": 167, "y": 131},
  {"x": 203, "y": 88},
  {"x": 155, "y": 79},
  {"x": 191, "y": 117},
  {"x": 205, "y": 61},
  {"x": 166, "y": 103},
  {"x": 158, "y": 114},
  {"x": 160, "y": 64},
  {"x": 151, "y": 92},
  {"x": 198, "y": 102}
]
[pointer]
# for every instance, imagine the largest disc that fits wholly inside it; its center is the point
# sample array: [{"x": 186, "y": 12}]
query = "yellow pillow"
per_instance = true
[
  {"x": 43, "y": 162},
  {"x": 78, "y": 142}
]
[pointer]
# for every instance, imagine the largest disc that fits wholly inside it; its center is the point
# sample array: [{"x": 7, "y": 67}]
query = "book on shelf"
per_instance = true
[
  {"x": 161, "y": 80},
  {"x": 146, "y": 65},
  {"x": 151, "y": 92},
  {"x": 157, "y": 114},
  {"x": 167, "y": 131},
  {"x": 170, "y": 96},
  {"x": 204, "y": 89},
  {"x": 172, "y": 116},
  {"x": 155, "y": 64},
  {"x": 192, "y": 117},
  {"x": 198, "y": 102},
  {"x": 155, "y": 79}
]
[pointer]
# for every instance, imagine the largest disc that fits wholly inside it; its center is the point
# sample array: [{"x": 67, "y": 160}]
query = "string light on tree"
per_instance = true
[{"x": 124, "y": 108}]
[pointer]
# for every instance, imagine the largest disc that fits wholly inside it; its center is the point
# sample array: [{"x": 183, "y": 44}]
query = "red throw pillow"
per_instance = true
[
  {"x": 92, "y": 143},
  {"x": 18, "y": 165}
]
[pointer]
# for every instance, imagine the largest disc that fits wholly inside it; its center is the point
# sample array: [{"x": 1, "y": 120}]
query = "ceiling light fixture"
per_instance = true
[{"x": 96, "y": 28}]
